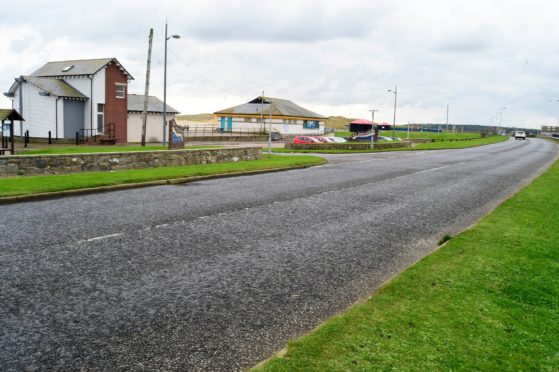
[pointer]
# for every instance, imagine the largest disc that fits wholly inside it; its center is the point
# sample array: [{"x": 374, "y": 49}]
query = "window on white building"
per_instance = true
[{"x": 100, "y": 117}]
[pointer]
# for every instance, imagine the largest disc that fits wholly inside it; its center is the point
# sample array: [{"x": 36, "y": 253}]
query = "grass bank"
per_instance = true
[
  {"x": 27, "y": 185},
  {"x": 442, "y": 145},
  {"x": 95, "y": 149},
  {"x": 488, "y": 300}
]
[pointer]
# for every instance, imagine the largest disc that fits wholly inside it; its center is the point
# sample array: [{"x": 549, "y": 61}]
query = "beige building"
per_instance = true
[
  {"x": 286, "y": 117},
  {"x": 154, "y": 126},
  {"x": 549, "y": 129}
]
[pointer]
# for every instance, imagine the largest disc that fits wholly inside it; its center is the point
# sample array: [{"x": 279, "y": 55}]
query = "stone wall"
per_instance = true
[
  {"x": 346, "y": 146},
  {"x": 110, "y": 161}
]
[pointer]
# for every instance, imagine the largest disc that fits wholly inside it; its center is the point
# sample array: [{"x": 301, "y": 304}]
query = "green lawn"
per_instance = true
[
  {"x": 488, "y": 300},
  {"x": 404, "y": 134},
  {"x": 440, "y": 145},
  {"x": 94, "y": 149},
  {"x": 24, "y": 185}
]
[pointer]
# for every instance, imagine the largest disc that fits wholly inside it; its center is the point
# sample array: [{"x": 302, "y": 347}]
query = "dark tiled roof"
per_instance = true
[
  {"x": 279, "y": 107},
  {"x": 77, "y": 67},
  {"x": 56, "y": 87},
  {"x": 10, "y": 114},
  {"x": 136, "y": 104}
]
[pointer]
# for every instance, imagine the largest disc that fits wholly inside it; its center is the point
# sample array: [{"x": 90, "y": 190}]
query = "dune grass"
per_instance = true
[
  {"x": 488, "y": 300},
  {"x": 26, "y": 185}
]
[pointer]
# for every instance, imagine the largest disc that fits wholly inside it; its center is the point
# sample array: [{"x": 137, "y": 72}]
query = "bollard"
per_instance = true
[
  {"x": 26, "y": 138},
  {"x": 50, "y": 138},
  {"x": 77, "y": 138}
]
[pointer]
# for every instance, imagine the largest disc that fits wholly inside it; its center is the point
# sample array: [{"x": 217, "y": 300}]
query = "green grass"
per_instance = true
[
  {"x": 94, "y": 149},
  {"x": 487, "y": 300},
  {"x": 404, "y": 135},
  {"x": 440, "y": 145},
  {"x": 26, "y": 185}
]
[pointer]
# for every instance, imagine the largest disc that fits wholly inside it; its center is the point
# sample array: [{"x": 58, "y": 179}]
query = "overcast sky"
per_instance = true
[{"x": 332, "y": 57}]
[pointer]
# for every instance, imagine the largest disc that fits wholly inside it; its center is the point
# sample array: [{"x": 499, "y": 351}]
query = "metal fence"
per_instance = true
[{"x": 212, "y": 131}]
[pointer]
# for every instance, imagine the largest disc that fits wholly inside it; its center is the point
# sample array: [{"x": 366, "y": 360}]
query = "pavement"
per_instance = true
[{"x": 220, "y": 274}]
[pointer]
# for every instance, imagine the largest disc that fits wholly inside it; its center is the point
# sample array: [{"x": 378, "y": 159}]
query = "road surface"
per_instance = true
[{"x": 220, "y": 274}]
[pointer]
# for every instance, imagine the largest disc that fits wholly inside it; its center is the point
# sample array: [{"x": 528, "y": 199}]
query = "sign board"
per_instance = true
[{"x": 176, "y": 135}]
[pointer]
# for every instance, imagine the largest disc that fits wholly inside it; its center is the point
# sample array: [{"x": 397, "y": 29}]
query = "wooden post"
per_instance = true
[
  {"x": 12, "y": 149},
  {"x": 146, "y": 94}
]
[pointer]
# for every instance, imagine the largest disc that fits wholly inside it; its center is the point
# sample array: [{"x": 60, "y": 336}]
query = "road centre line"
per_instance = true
[
  {"x": 432, "y": 169},
  {"x": 103, "y": 237}
]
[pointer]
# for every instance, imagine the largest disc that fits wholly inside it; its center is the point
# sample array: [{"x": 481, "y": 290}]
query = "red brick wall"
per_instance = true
[{"x": 116, "y": 109}]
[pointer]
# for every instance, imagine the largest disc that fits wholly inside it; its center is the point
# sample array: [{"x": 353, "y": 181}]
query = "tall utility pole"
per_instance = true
[
  {"x": 395, "y": 91},
  {"x": 447, "y": 117},
  {"x": 146, "y": 94},
  {"x": 165, "y": 84},
  {"x": 373, "y": 134},
  {"x": 262, "y": 112},
  {"x": 270, "y": 132},
  {"x": 500, "y": 119}
]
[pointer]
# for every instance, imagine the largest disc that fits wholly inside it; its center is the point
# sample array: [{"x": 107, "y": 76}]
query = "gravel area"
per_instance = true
[{"x": 220, "y": 274}]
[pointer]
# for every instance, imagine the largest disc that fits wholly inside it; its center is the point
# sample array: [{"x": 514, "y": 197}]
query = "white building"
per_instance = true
[
  {"x": 286, "y": 117},
  {"x": 154, "y": 124},
  {"x": 87, "y": 96}
]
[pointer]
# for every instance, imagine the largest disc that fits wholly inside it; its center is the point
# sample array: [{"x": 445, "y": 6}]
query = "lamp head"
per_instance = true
[{"x": 176, "y": 36}]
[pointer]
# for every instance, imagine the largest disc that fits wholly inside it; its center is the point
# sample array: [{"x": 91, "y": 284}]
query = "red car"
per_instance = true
[{"x": 305, "y": 140}]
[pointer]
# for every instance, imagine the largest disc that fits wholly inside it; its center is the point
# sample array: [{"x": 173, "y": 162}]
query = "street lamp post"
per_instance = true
[
  {"x": 373, "y": 128},
  {"x": 500, "y": 119},
  {"x": 165, "y": 84},
  {"x": 395, "y": 91}
]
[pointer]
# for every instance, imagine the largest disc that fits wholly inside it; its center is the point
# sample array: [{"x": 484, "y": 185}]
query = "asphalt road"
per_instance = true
[{"x": 220, "y": 274}]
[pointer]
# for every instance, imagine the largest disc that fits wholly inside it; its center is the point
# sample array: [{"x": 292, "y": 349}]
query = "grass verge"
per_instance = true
[
  {"x": 414, "y": 134},
  {"x": 487, "y": 300},
  {"x": 28, "y": 185},
  {"x": 442, "y": 145},
  {"x": 95, "y": 149},
  {"x": 460, "y": 144}
]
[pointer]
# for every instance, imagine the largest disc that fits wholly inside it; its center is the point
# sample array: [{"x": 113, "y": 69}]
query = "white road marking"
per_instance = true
[
  {"x": 103, "y": 237},
  {"x": 432, "y": 169}
]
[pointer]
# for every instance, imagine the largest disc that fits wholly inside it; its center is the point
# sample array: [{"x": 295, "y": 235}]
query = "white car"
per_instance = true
[
  {"x": 338, "y": 139},
  {"x": 520, "y": 134}
]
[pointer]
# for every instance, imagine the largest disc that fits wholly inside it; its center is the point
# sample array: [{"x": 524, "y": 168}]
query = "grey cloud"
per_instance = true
[{"x": 466, "y": 46}]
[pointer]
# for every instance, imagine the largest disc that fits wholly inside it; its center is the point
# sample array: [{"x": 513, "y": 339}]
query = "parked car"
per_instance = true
[
  {"x": 305, "y": 140},
  {"x": 338, "y": 139},
  {"x": 320, "y": 139},
  {"x": 520, "y": 134},
  {"x": 329, "y": 139}
]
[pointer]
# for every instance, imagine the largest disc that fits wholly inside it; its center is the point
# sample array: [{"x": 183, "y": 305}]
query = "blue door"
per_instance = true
[
  {"x": 229, "y": 123},
  {"x": 222, "y": 124}
]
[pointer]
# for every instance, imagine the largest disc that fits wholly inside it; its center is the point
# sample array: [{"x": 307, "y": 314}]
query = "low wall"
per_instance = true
[
  {"x": 110, "y": 161},
  {"x": 346, "y": 146}
]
